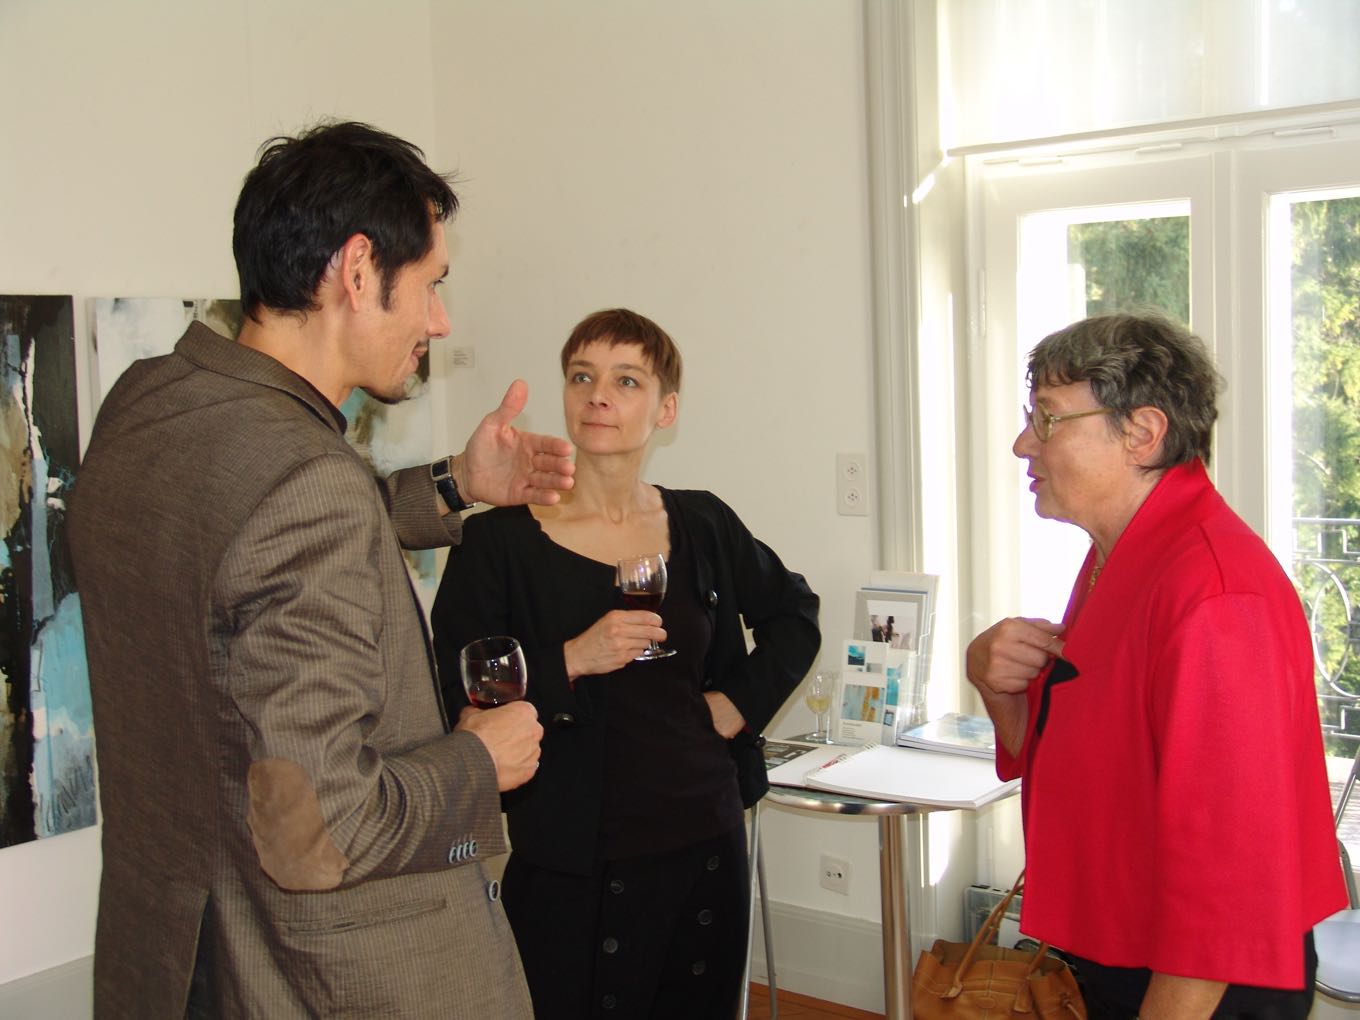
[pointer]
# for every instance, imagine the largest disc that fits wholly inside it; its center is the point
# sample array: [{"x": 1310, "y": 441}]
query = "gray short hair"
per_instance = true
[{"x": 1138, "y": 360}]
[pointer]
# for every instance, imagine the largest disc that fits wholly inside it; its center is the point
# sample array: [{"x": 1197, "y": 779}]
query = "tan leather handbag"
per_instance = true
[{"x": 979, "y": 980}]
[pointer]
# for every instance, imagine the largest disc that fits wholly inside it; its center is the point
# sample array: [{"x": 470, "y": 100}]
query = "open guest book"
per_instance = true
[{"x": 907, "y": 775}]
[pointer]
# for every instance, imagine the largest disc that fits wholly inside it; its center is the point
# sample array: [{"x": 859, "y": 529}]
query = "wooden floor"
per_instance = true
[{"x": 802, "y": 1007}]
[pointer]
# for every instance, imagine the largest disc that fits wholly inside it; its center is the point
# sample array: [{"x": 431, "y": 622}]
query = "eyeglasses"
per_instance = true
[{"x": 1042, "y": 422}]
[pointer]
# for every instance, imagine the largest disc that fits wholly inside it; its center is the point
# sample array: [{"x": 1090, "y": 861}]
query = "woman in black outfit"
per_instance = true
[{"x": 627, "y": 882}]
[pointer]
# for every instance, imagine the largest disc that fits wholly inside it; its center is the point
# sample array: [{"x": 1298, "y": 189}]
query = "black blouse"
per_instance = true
[{"x": 630, "y": 762}]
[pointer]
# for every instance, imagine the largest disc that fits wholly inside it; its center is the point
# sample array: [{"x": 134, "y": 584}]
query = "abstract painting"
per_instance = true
[
  {"x": 392, "y": 436},
  {"x": 126, "y": 329},
  {"x": 46, "y": 735},
  {"x": 387, "y": 436}
]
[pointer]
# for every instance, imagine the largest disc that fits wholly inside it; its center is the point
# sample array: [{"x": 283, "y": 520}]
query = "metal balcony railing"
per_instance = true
[{"x": 1326, "y": 566}]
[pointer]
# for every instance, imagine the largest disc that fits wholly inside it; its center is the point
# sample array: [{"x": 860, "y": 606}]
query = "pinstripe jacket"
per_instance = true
[{"x": 287, "y": 829}]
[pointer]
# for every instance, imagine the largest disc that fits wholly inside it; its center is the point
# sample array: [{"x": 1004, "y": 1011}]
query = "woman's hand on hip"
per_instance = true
[
  {"x": 613, "y": 641},
  {"x": 727, "y": 718}
]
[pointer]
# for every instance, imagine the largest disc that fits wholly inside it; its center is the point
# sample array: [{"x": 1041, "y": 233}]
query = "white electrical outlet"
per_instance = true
[
  {"x": 835, "y": 874},
  {"x": 852, "y": 485}
]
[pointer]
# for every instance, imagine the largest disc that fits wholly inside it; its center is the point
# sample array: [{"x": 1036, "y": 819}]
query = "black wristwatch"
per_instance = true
[{"x": 442, "y": 473}]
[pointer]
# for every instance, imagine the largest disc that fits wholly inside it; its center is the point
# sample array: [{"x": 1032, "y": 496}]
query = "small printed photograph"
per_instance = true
[
  {"x": 889, "y": 624},
  {"x": 898, "y": 617},
  {"x": 861, "y": 656},
  {"x": 862, "y": 703}
]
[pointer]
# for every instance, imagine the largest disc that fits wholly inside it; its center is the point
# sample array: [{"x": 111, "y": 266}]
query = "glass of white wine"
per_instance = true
[{"x": 817, "y": 695}]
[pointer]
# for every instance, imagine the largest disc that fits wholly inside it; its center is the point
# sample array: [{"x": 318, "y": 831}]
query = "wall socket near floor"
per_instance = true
[
  {"x": 835, "y": 874},
  {"x": 852, "y": 484}
]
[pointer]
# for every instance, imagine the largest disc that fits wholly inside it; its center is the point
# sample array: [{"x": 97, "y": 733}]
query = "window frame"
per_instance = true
[{"x": 1235, "y": 186}]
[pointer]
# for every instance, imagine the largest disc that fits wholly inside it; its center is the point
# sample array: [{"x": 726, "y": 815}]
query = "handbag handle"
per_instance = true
[{"x": 989, "y": 927}]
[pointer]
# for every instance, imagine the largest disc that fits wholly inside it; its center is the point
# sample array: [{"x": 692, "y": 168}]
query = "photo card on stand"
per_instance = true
[
  {"x": 860, "y": 705},
  {"x": 899, "y": 613}
]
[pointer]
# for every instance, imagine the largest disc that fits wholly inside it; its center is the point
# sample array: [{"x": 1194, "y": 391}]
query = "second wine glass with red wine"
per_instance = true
[
  {"x": 493, "y": 671},
  {"x": 642, "y": 583}
]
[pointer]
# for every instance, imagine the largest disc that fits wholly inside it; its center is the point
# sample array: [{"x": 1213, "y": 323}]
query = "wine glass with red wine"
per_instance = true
[
  {"x": 642, "y": 583},
  {"x": 493, "y": 671}
]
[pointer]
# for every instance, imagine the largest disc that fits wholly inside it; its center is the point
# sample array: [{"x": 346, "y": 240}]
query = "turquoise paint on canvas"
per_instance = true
[
  {"x": 46, "y": 730},
  {"x": 63, "y": 730}
]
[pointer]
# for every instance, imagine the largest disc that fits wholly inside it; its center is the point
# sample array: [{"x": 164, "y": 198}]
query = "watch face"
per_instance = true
[{"x": 439, "y": 470}]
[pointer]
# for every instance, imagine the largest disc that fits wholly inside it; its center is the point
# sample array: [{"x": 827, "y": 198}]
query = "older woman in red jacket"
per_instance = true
[{"x": 1177, "y": 824}]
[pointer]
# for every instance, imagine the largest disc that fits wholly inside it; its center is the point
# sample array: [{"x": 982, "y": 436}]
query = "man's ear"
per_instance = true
[
  {"x": 354, "y": 269},
  {"x": 1144, "y": 434}
]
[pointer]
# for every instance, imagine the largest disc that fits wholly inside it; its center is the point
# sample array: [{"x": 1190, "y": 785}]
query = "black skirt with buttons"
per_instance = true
[{"x": 661, "y": 936}]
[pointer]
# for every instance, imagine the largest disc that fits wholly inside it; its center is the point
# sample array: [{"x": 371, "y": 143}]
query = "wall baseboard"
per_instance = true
[
  {"x": 65, "y": 992},
  {"x": 827, "y": 956},
  {"x": 824, "y": 955}
]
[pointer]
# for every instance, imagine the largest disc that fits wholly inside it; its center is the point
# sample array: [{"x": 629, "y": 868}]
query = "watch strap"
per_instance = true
[{"x": 441, "y": 471}]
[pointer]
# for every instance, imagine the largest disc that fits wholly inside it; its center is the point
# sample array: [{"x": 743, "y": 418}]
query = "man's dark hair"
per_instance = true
[{"x": 308, "y": 195}]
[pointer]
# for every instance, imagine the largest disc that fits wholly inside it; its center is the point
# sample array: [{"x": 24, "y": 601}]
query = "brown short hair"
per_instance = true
[
  {"x": 616, "y": 326},
  {"x": 1138, "y": 360}
]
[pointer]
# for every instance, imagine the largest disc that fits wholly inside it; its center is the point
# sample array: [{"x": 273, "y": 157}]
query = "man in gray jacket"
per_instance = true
[{"x": 289, "y": 829}]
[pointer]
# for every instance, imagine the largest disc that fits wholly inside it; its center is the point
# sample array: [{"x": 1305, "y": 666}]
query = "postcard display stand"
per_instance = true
[{"x": 885, "y": 666}]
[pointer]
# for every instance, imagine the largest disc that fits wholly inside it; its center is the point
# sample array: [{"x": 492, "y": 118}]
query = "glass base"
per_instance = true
[
  {"x": 656, "y": 652},
  {"x": 812, "y": 738}
]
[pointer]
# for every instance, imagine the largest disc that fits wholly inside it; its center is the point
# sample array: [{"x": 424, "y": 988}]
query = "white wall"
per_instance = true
[
  {"x": 702, "y": 162},
  {"x": 705, "y": 164},
  {"x": 126, "y": 131}
]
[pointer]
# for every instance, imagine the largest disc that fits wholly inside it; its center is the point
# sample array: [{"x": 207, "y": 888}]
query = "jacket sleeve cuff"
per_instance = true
[{"x": 414, "y": 505}]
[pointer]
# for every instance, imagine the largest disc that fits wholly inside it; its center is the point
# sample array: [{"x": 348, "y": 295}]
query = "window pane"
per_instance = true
[
  {"x": 1075, "y": 263},
  {"x": 1134, "y": 264},
  {"x": 1324, "y": 323}
]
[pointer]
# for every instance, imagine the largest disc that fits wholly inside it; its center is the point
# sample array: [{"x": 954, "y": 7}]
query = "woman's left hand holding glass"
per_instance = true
[{"x": 611, "y": 642}]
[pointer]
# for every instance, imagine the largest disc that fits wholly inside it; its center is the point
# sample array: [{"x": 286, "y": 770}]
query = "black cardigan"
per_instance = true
[{"x": 494, "y": 584}]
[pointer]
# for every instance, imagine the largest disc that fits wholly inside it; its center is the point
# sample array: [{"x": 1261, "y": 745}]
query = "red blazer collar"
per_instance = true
[{"x": 1182, "y": 499}]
